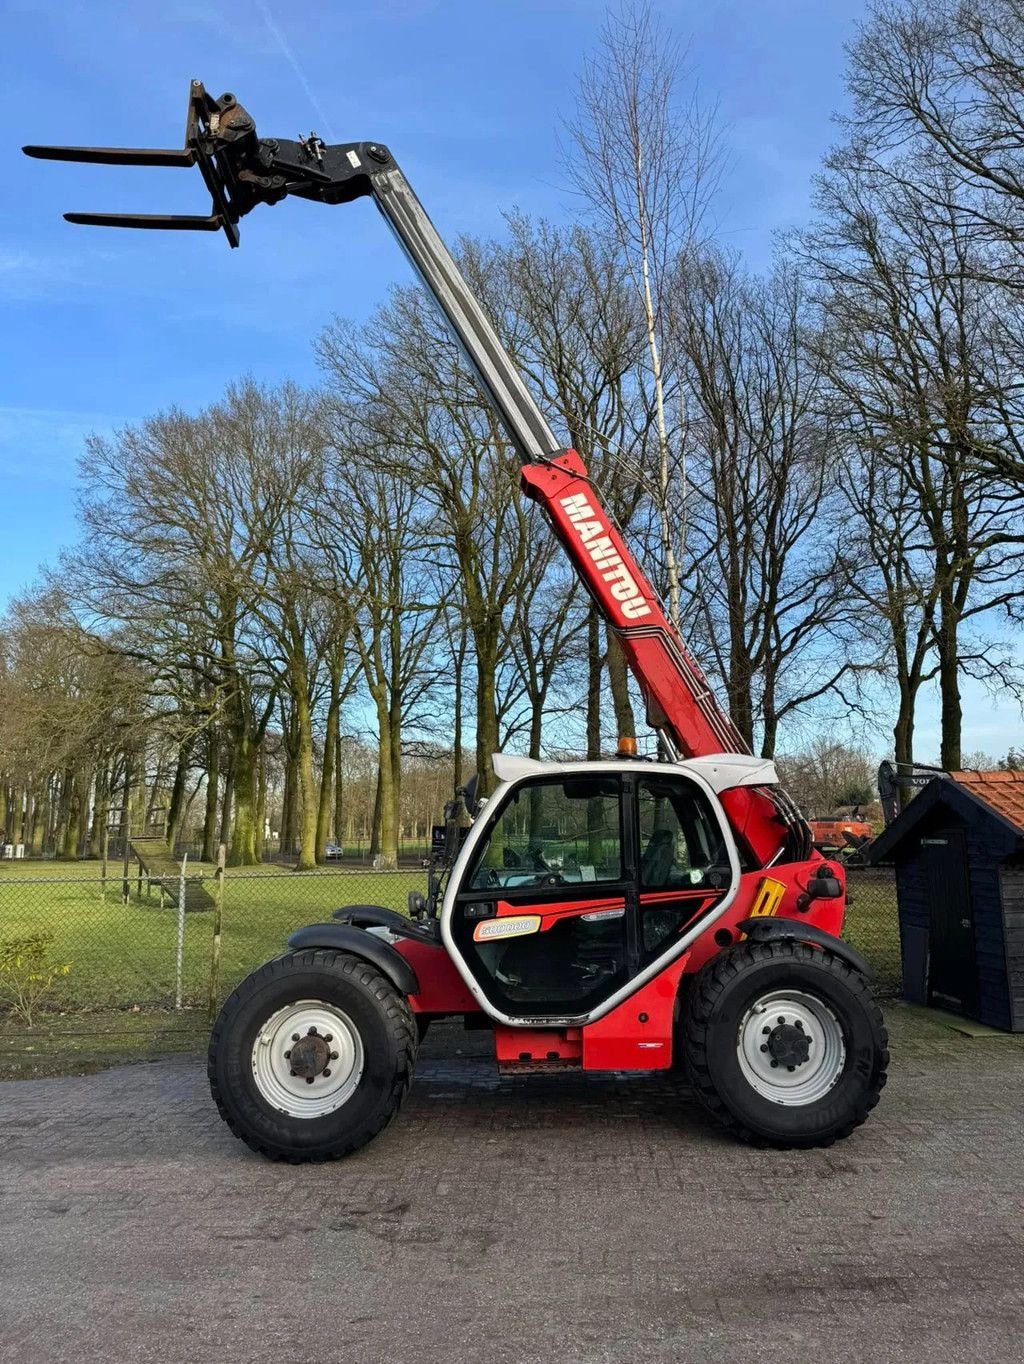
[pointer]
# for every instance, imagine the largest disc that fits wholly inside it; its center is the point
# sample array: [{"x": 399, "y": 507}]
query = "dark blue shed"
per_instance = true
[{"x": 958, "y": 849}]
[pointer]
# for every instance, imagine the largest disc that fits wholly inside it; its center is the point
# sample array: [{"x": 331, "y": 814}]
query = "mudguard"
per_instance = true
[
  {"x": 777, "y": 930},
  {"x": 369, "y": 946},
  {"x": 364, "y": 915}
]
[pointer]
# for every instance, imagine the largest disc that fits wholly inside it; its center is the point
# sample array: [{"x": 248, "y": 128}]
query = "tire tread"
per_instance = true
[
  {"x": 395, "y": 1010},
  {"x": 704, "y": 997}
]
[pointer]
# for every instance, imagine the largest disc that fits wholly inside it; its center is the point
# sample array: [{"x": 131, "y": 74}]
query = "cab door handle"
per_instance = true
[{"x": 480, "y": 909}]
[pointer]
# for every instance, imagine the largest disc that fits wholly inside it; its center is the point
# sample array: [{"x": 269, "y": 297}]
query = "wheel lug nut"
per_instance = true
[
  {"x": 287, "y": 1056},
  {"x": 791, "y": 1068},
  {"x": 293, "y": 1072},
  {"x": 774, "y": 1065},
  {"x": 764, "y": 1046},
  {"x": 309, "y": 1079},
  {"x": 327, "y": 1074},
  {"x": 295, "y": 1036},
  {"x": 765, "y": 1031},
  {"x": 334, "y": 1056},
  {"x": 782, "y": 1018},
  {"x": 311, "y": 1033},
  {"x": 328, "y": 1037},
  {"x": 799, "y": 1025}
]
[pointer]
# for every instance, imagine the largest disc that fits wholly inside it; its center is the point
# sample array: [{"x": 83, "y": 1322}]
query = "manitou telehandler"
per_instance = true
[{"x": 615, "y": 915}]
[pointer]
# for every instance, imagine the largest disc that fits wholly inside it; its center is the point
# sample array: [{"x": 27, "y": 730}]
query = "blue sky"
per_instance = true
[{"x": 103, "y": 327}]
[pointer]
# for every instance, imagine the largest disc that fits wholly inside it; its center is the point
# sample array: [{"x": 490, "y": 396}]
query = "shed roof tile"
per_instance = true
[{"x": 1004, "y": 791}]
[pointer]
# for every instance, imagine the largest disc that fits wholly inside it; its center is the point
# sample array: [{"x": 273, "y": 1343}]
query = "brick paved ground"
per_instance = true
[{"x": 548, "y": 1220}]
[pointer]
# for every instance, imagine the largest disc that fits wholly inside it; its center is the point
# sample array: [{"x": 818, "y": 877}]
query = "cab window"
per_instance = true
[
  {"x": 681, "y": 844},
  {"x": 683, "y": 861},
  {"x": 553, "y": 833}
]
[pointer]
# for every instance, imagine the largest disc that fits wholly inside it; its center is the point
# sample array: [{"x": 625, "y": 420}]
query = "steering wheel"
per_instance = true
[{"x": 493, "y": 879}]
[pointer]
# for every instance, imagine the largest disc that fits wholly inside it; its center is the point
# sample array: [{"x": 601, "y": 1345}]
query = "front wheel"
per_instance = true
[
  {"x": 311, "y": 1056},
  {"x": 784, "y": 1044}
]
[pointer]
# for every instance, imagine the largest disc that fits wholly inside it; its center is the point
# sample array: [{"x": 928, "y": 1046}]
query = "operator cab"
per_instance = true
[{"x": 579, "y": 877}]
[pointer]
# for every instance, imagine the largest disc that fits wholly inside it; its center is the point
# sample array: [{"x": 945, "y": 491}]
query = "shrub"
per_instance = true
[{"x": 27, "y": 975}]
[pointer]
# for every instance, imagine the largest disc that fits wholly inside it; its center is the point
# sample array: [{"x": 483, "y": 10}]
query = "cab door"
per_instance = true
[
  {"x": 583, "y": 882},
  {"x": 685, "y": 869},
  {"x": 545, "y": 917}
]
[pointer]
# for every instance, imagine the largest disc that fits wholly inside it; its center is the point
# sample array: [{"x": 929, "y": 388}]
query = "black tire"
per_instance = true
[
  {"x": 722, "y": 996},
  {"x": 378, "y": 1013}
]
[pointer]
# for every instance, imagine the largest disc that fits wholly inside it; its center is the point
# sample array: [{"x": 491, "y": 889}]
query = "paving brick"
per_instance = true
[{"x": 551, "y": 1220}]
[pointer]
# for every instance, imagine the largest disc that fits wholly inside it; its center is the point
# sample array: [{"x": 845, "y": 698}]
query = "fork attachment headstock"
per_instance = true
[{"x": 239, "y": 168}]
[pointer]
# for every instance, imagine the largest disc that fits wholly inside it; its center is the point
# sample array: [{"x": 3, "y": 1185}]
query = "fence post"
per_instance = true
[
  {"x": 180, "y": 962},
  {"x": 218, "y": 914}
]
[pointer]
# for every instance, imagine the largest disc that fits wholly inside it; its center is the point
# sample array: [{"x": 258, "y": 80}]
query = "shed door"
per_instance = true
[{"x": 953, "y": 972}]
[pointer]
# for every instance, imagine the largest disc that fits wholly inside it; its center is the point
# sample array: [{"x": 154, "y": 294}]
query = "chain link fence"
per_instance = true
[{"x": 137, "y": 965}]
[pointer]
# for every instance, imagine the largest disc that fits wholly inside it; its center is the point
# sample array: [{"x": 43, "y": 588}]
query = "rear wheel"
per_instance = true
[
  {"x": 311, "y": 1056},
  {"x": 784, "y": 1044}
]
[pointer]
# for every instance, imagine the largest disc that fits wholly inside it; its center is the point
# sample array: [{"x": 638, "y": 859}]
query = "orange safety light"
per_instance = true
[{"x": 627, "y": 747}]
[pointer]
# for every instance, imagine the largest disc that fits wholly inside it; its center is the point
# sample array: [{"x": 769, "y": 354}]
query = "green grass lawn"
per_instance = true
[
  {"x": 872, "y": 925},
  {"x": 122, "y": 955},
  {"x": 117, "y": 1000}
]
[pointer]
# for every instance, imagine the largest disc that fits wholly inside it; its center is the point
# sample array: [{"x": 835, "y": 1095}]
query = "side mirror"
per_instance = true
[{"x": 469, "y": 796}]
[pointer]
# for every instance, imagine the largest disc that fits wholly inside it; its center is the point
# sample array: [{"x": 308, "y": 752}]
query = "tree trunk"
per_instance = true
[
  {"x": 179, "y": 792},
  {"x": 287, "y": 841},
  {"x": 949, "y": 688},
  {"x": 741, "y": 704},
  {"x": 226, "y": 801},
  {"x": 395, "y": 736},
  {"x": 903, "y": 739},
  {"x": 323, "y": 814},
  {"x": 339, "y": 784},
  {"x": 618, "y": 678},
  {"x": 31, "y": 811},
  {"x": 769, "y": 717},
  {"x": 307, "y": 789},
  {"x": 84, "y": 782},
  {"x": 460, "y": 664},
  {"x": 486, "y": 708},
  {"x": 595, "y": 666},
  {"x": 388, "y": 837},
  {"x": 209, "y": 853},
  {"x": 242, "y": 786},
  {"x": 154, "y": 793},
  {"x": 73, "y": 816},
  {"x": 377, "y": 806},
  {"x": 261, "y": 803},
  {"x": 100, "y": 809}
]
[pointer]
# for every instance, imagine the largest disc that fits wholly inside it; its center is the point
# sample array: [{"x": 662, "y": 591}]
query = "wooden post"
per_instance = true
[{"x": 218, "y": 916}]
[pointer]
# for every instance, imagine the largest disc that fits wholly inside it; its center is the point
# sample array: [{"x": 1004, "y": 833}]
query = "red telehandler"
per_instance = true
[{"x": 616, "y": 914}]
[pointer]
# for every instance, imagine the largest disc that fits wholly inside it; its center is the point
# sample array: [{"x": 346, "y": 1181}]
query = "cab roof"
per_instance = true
[{"x": 721, "y": 771}]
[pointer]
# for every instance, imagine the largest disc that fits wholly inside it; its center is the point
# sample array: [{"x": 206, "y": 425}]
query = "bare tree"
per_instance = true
[
  {"x": 369, "y": 530},
  {"x": 943, "y": 80},
  {"x": 645, "y": 159},
  {"x": 905, "y": 327},
  {"x": 416, "y": 410},
  {"x": 764, "y": 596}
]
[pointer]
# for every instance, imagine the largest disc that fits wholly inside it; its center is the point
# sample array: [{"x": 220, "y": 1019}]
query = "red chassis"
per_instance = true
[{"x": 639, "y": 1033}]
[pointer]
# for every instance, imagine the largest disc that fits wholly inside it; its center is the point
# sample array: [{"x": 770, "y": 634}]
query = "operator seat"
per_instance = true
[{"x": 658, "y": 859}]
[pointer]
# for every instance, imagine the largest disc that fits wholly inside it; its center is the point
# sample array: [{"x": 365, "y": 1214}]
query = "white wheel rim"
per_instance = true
[
  {"x": 769, "y": 1039},
  {"x": 331, "y": 1047}
]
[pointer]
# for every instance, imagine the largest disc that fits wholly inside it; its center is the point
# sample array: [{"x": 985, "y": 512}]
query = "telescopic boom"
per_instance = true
[{"x": 241, "y": 170}]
